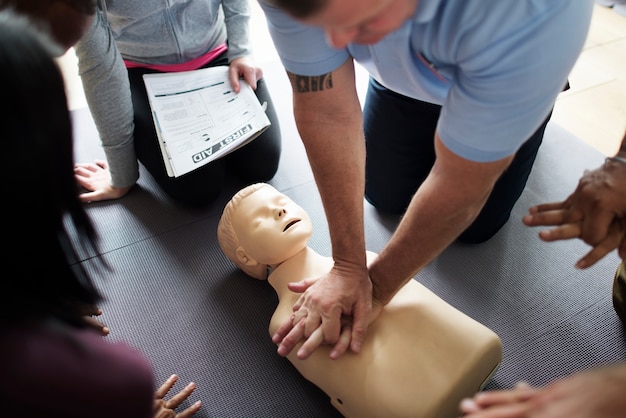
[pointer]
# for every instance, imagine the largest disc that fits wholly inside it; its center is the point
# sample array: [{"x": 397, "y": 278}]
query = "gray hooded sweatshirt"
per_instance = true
[{"x": 147, "y": 32}]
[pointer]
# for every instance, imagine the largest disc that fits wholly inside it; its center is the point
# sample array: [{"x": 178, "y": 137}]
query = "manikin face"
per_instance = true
[
  {"x": 361, "y": 21},
  {"x": 271, "y": 227}
]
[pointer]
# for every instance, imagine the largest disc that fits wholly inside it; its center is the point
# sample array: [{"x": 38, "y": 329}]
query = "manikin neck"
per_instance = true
[{"x": 288, "y": 271}]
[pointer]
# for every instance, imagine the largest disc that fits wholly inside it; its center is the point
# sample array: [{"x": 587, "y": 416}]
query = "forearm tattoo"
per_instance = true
[{"x": 305, "y": 84}]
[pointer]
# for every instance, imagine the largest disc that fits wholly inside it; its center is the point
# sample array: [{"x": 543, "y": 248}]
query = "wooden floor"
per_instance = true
[{"x": 594, "y": 109}]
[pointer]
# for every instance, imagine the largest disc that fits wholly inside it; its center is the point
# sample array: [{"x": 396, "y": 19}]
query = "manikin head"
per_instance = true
[
  {"x": 260, "y": 228},
  {"x": 350, "y": 21}
]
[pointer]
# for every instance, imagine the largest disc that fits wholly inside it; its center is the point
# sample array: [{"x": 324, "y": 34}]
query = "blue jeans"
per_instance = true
[{"x": 399, "y": 134}]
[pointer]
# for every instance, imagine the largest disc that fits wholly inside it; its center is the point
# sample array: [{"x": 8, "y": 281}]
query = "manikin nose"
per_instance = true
[{"x": 280, "y": 212}]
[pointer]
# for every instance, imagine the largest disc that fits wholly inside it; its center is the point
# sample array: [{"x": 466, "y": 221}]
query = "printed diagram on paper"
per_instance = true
[{"x": 199, "y": 118}]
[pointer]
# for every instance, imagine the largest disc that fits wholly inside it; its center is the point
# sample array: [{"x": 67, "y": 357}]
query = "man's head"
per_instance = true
[
  {"x": 66, "y": 21},
  {"x": 350, "y": 21},
  {"x": 260, "y": 228}
]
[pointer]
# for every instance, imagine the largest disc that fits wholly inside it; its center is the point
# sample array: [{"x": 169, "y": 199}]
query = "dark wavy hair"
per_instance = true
[
  {"x": 87, "y": 7},
  {"x": 45, "y": 224}
]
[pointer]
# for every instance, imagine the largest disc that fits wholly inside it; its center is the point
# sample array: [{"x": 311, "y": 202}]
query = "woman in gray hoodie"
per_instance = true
[{"x": 130, "y": 39}]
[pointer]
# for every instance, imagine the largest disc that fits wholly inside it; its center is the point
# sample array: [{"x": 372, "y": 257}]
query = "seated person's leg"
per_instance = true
[
  {"x": 619, "y": 292},
  {"x": 399, "y": 136},
  {"x": 196, "y": 189},
  {"x": 258, "y": 161},
  {"x": 506, "y": 192}
]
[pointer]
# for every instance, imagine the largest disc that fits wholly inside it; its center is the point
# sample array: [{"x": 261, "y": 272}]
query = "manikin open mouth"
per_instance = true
[{"x": 290, "y": 224}]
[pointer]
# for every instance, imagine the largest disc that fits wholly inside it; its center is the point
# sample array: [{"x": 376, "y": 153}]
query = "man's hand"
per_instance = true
[
  {"x": 244, "y": 67},
  {"x": 345, "y": 291},
  {"x": 598, "y": 393},
  {"x": 96, "y": 179},
  {"x": 165, "y": 409},
  {"x": 590, "y": 213}
]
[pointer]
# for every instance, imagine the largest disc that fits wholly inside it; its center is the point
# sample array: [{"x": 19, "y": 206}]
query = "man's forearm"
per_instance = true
[
  {"x": 337, "y": 158},
  {"x": 330, "y": 122},
  {"x": 446, "y": 203},
  {"x": 428, "y": 227}
]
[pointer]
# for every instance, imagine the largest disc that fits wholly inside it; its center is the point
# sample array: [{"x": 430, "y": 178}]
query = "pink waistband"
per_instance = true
[{"x": 194, "y": 64}]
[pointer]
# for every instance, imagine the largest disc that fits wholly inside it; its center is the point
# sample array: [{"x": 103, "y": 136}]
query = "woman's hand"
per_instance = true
[
  {"x": 165, "y": 409},
  {"x": 96, "y": 179},
  {"x": 246, "y": 68}
]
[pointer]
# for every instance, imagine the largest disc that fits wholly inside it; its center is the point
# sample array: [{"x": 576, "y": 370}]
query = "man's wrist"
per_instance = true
[{"x": 379, "y": 291}]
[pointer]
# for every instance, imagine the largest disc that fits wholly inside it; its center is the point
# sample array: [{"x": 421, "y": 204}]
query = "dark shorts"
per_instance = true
[
  {"x": 399, "y": 134},
  {"x": 254, "y": 162},
  {"x": 619, "y": 292}
]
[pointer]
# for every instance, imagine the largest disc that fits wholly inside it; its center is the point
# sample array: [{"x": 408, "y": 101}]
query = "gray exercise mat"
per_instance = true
[{"x": 172, "y": 294}]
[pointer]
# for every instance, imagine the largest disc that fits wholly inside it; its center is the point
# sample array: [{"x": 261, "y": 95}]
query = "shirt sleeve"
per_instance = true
[
  {"x": 507, "y": 82},
  {"x": 237, "y": 20},
  {"x": 107, "y": 90},
  {"x": 303, "y": 49}
]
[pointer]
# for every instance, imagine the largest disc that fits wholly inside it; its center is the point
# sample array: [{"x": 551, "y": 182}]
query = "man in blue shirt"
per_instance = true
[{"x": 459, "y": 96}]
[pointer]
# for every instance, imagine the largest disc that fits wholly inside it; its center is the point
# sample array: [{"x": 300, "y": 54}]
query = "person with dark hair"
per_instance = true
[
  {"x": 65, "y": 20},
  {"x": 596, "y": 213},
  {"x": 52, "y": 362},
  {"x": 459, "y": 96},
  {"x": 130, "y": 39}
]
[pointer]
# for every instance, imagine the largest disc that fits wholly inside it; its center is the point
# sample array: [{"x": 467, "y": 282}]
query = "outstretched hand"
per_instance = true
[
  {"x": 592, "y": 213},
  {"x": 96, "y": 179},
  {"x": 319, "y": 314},
  {"x": 598, "y": 393},
  {"x": 165, "y": 409}
]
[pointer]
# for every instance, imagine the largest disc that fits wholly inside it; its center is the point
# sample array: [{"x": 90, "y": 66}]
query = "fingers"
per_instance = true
[
  {"x": 562, "y": 232},
  {"x": 595, "y": 227},
  {"x": 544, "y": 207},
  {"x": 166, "y": 386},
  {"x": 190, "y": 411},
  {"x": 299, "y": 287},
  {"x": 614, "y": 240},
  {"x": 181, "y": 396},
  {"x": 88, "y": 197},
  {"x": 501, "y": 404},
  {"x": 498, "y": 397},
  {"x": 546, "y": 218},
  {"x": 315, "y": 340},
  {"x": 329, "y": 323},
  {"x": 97, "y": 325},
  {"x": 343, "y": 343},
  {"x": 283, "y": 330},
  {"x": 165, "y": 409},
  {"x": 360, "y": 322},
  {"x": 243, "y": 67},
  {"x": 289, "y": 341},
  {"x": 89, "y": 312}
]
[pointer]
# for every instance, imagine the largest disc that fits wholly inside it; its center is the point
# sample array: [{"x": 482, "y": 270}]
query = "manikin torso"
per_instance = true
[{"x": 420, "y": 358}]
